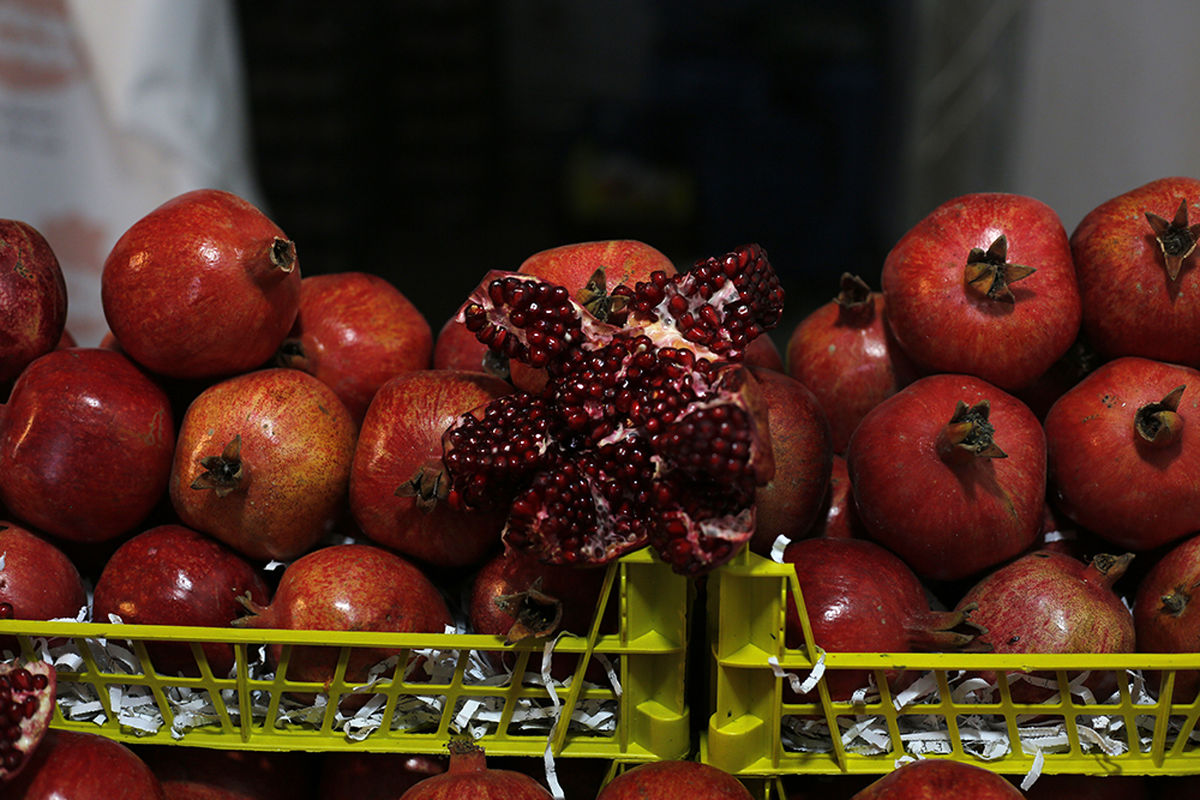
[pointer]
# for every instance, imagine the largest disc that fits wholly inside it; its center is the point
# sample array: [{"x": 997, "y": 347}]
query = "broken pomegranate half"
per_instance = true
[{"x": 27, "y": 696}]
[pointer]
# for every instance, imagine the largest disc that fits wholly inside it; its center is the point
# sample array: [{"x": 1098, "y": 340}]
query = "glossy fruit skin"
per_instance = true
[
  {"x": 802, "y": 448},
  {"x": 457, "y": 348},
  {"x": 1166, "y": 612},
  {"x": 203, "y": 286},
  {"x": 297, "y": 444},
  {"x": 173, "y": 575},
  {"x": 38, "y": 579},
  {"x": 33, "y": 297},
  {"x": 945, "y": 325},
  {"x": 85, "y": 445},
  {"x": 349, "y": 587},
  {"x": 400, "y": 435},
  {"x": 936, "y": 778},
  {"x": 1130, "y": 305},
  {"x": 84, "y": 766},
  {"x": 1106, "y": 479},
  {"x": 838, "y": 518},
  {"x": 674, "y": 780},
  {"x": 849, "y": 359},
  {"x": 354, "y": 331},
  {"x": 948, "y": 520}
]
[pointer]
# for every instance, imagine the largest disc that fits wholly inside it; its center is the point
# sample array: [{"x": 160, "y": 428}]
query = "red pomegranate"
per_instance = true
[
  {"x": 355, "y": 775},
  {"x": 37, "y": 579},
  {"x": 84, "y": 766},
  {"x": 935, "y": 778},
  {"x": 27, "y": 695},
  {"x": 457, "y": 348},
  {"x": 953, "y": 297},
  {"x": 173, "y": 575},
  {"x": 263, "y": 461},
  {"x": 1048, "y": 602},
  {"x": 33, "y": 297},
  {"x": 1164, "y": 616},
  {"x": 354, "y": 331},
  {"x": 201, "y": 773},
  {"x": 839, "y": 518},
  {"x": 674, "y": 779},
  {"x": 950, "y": 474},
  {"x": 398, "y": 485},
  {"x": 203, "y": 286},
  {"x": 468, "y": 777},
  {"x": 85, "y": 445},
  {"x": 789, "y": 503},
  {"x": 859, "y": 597},
  {"x": 1135, "y": 267},
  {"x": 348, "y": 587},
  {"x": 1120, "y": 463},
  {"x": 648, "y": 431},
  {"x": 845, "y": 353}
]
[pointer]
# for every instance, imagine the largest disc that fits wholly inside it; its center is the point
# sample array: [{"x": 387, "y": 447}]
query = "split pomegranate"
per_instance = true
[
  {"x": 1048, "y": 602},
  {"x": 27, "y": 697},
  {"x": 674, "y": 779},
  {"x": 84, "y": 766},
  {"x": 950, "y": 474},
  {"x": 648, "y": 430},
  {"x": 935, "y": 778},
  {"x": 33, "y": 297},
  {"x": 1121, "y": 463},
  {"x": 203, "y": 286},
  {"x": 262, "y": 462},
  {"x": 468, "y": 776},
  {"x": 984, "y": 285},
  {"x": 1165, "y": 618},
  {"x": 859, "y": 597}
]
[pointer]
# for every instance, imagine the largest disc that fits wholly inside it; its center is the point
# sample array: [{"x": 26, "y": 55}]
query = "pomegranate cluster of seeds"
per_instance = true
[{"x": 648, "y": 431}]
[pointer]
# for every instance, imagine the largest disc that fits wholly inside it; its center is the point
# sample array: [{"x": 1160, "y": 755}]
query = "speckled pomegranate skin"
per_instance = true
[{"x": 33, "y": 297}]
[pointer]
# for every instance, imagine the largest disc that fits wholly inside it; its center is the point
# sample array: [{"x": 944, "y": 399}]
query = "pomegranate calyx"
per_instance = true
[
  {"x": 969, "y": 435},
  {"x": 854, "y": 295},
  {"x": 1175, "y": 602},
  {"x": 595, "y": 297},
  {"x": 1176, "y": 238},
  {"x": 282, "y": 254},
  {"x": 1159, "y": 424},
  {"x": 223, "y": 473},
  {"x": 291, "y": 354},
  {"x": 989, "y": 272},
  {"x": 944, "y": 630},
  {"x": 254, "y": 618},
  {"x": 429, "y": 485},
  {"x": 465, "y": 756},
  {"x": 1105, "y": 569},
  {"x": 535, "y": 613}
]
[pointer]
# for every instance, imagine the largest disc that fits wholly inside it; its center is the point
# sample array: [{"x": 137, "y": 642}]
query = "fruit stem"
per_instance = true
[
  {"x": 466, "y": 756},
  {"x": 282, "y": 254},
  {"x": 1159, "y": 424},
  {"x": 1106, "y": 569},
  {"x": 854, "y": 299},
  {"x": 943, "y": 630},
  {"x": 968, "y": 435}
]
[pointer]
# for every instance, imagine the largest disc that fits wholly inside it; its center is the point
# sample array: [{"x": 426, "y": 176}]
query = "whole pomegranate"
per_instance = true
[
  {"x": 1164, "y": 616},
  {"x": 348, "y": 587},
  {"x": 953, "y": 297},
  {"x": 950, "y": 474},
  {"x": 457, "y": 348},
  {"x": 85, "y": 445},
  {"x": 674, "y": 779},
  {"x": 203, "y": 286},
  {"x": 469, "y": 778},
  {"x": 84, "y": 766},
  {"x": 398, "y": 487},
  {"x": 27, "y": 695},
  {"x": 1120, "y": 462},
  {"x": 173, "y": 575},
  {"x": 859, "y": 597},
  {"x": 1049, "y": 602},
  {"x": 933, "y": 779},
  {"x": 845, "y": 353},
  {"x": 263, "y": 462},
  {"x": 838, "y": 518},
  {"x": 1135, "y": 267},
  {"x": 354, "y": 331},
  {"x": 789, "y": 503},
  {"x": 37, "y": 579},
  {"x": 33, "y": 297}
]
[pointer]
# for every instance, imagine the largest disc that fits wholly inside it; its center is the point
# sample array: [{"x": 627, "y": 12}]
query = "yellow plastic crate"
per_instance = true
[
  {"x": 753, "y": 730},
  {"x": 642, "y": 715}
]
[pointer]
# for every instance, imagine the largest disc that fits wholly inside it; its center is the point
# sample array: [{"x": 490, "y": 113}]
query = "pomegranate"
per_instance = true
[
  {"x": 173, "y": 575},
  {"x": 397, "y": 481},
  {"x": 789, "y": 503},
  {"x": 33, "y": 297},
  {"x": 37, "y": 579},
  {"x": 1164, "y": 616},
  {"x": 763, "y": 353},
  {"x": 84, "y": 766},
  {"x": 1048, "y": 602},
  {"x": 953, "y": 297},
  {"x": 1135, "y": 267},
  {"x": 348, "y": 587},
  {"x": 354, "y": 331},
  {"x": 354, "y": 775},
  {"x": 861, "y": 598},
  {"x": 1120, "y": 463},
  {"x": 845, "y": 353},
  {"x": 950, "y": 474},
  {"x": 935, "y": 778},
  {"x": 85, "y": 445},
  {"x": 648, "y": 430},
  {"x": 27, "y": 697},
  {"x": 457, "y": 348},
  {"x": 200, "y": 773},
  {"x": 674, "y": 779},
  {"x": 263, "y": 461},
  {"x": 203, "y": 286},
  {"x": 468, "y": 777},
  {"x": 839, "y": 518}
]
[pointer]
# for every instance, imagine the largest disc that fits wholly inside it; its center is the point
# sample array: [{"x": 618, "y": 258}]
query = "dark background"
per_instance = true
[{"x": 431, "y": 141}]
